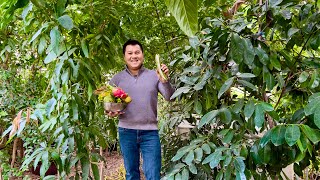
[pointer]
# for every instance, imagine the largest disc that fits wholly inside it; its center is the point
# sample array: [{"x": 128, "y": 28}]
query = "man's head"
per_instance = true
[{"x": 133, "y": 55}]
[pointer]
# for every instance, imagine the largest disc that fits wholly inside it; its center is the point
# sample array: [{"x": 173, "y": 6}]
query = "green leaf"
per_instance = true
[
  {"x": 266, "y": 106},
  {"x": 228, "y": 137},
  {"x": 240, "y": 176},
  {"x": 42, "y": 45},
  {"x": 239, "y": 164},
  {"x": 178, "y": 176},
  {"x": 246, "y": 75},
  {"x": 298, "y": 115},
  {"x": 84, "y": 48},
  {"x": 263, "y": 57},
  {"x": 225, "y": 115},
  {"x": 265, "y": 154},
  {"x": 236, "y": 49},
  {"x": 50, "y": 57},
  {"x": 302, "y": 143},
  {"x": 198, "y": 154},
  {"x": 85, "y": 166},
  {"x": 316, "y": 117},
  {"x": 212, "y": 157},
  {"x": 314, "y": 82},
  {"x": 278, "y": 135},
  {"x": 248, "y": 53},
  {"x": 312, "y": 134},
  {"x": 179, "y": 91},
  {"x": 225, "y": 86},
  {"x": 61, "y": 4},
  {"x": 275, "y": 61},
  {"x": 265, "y": 139},
  {"x": 291, "y": 32},
  {"x": 45, "y": 25},
  {"x": 66, "y": 22},
  {"x": 259, "y": 116},
  {"x": 206, "y": 148},
  {"x": 303, "y": 77},
  {"x": 268, "y": 78},
  {"x": 50, "y": 106},
  {"x": 55, "y": 39},
  {"x": 227, "y": 160},
  {"x": 182, "y": 151},
  {"x": 249, "y": 109},
  {"x": 185, "y": 13},
  {"x": 292, "y": 134},
  {"x": 189, "y": 158},
  {"x": 197, "y": 107},
  {"x": 314, "y": 103},
  {"x": 208, "y": 117},
  {"x": 248, "y": 84},
  {"x": 274, "y": 3},
  {"x": 95, "y": 171},
  {"x": 185, "y": 173},
  {"x": 238, "y": 106},
  {"x": 45, "y": 163},
  {"x": 193, "y": 169}
]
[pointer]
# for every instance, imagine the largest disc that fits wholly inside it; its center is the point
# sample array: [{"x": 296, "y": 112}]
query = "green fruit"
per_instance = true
[{"x": 107, "y": 99}]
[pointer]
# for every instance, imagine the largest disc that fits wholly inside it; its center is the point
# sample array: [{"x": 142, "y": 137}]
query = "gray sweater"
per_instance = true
[{"x": 141, "y": 112}]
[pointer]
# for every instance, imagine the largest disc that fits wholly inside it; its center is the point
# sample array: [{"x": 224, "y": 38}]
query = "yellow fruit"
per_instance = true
[
  {"x": 127, "y": 99},
  {"x": 159, "y": 68}
]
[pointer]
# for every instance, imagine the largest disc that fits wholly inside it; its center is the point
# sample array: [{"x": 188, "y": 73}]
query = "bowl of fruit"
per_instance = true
[{"x": 114, "y": 98}]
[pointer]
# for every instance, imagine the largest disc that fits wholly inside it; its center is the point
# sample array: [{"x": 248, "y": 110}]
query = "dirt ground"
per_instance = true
[{"x": 113, "y": 169}]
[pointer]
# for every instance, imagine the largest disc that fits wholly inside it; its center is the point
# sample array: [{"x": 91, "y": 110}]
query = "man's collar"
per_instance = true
[{"x": 140, "y": 70}]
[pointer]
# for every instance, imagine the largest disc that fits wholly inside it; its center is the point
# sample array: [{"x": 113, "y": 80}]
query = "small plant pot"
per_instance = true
[
  {"x": 113, "y": 107},
  {"x": 51, "y": 171}
]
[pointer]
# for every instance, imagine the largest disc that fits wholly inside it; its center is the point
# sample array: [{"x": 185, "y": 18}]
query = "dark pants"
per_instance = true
[{"x": 148, "y": 142}]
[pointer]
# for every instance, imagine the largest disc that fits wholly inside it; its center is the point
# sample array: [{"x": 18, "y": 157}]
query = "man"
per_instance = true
[{"x": 138, "y": 126}]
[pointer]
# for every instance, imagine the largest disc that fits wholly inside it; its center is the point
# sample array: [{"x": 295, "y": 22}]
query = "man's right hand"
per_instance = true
[{"x": 113, "y": 114}]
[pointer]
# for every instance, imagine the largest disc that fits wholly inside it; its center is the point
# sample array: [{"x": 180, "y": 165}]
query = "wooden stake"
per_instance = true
[
  {"x": 14, "y": 150},
  {"x": 101, "y": 164},
  {"x": 0, "y": 174}
]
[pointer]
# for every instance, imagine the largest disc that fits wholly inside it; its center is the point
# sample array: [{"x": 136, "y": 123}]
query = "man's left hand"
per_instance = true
[{"x": 165, "y": 70}]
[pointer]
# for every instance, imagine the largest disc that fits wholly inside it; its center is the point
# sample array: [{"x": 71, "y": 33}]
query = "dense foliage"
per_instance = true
[
  {"x": 250, "y": 85},
  {"x": 247, "y": 81}
]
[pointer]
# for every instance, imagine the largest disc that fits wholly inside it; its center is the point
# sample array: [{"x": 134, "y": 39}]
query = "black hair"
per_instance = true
[{"x": 131, "y": 42}]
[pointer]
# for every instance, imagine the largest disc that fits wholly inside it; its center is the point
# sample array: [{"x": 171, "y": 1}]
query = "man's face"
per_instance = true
[{"x": 133, "y": 57}]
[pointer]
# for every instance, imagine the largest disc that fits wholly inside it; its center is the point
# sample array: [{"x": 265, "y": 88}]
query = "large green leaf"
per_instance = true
[
  {"x": 239, "y": 164},
  {"x": 259, "y": 115},
  {"x": 50, "y": 106},
  {"x": 66, "y": 22},
  {"x": 292, "y": 134},
  {"x": 236, "y": 48},
  {"x": 314, "y": 103},
  {"x": 198, "y": 154},
  {"x": 184, "y": 89},
  {"x": 312, "y": 134},
  {"x": 189, "y": 158},
  {"x": 225, "y": 115},
  {"x": 248, "y": 84},
  {"x": 248, "y": 53},
  {"x": 263, "y": 56},
  {"x": 55, "y": 39},
  {"x": 249, "y": 109},
  {"x": 186, "y": 14},
  {"x": 278, "y": 135},
  {"x": 265, "y": 139},
  {"x": 208, "y": 117},
  {"x": 225, "y": 86}
]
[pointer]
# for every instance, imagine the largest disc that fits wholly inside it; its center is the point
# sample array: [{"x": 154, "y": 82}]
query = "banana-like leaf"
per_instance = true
[{"x": 186, "y": 14}]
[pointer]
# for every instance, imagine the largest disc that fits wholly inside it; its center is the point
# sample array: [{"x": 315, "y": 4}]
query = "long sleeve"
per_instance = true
[{"x": 166, "y": 90}]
